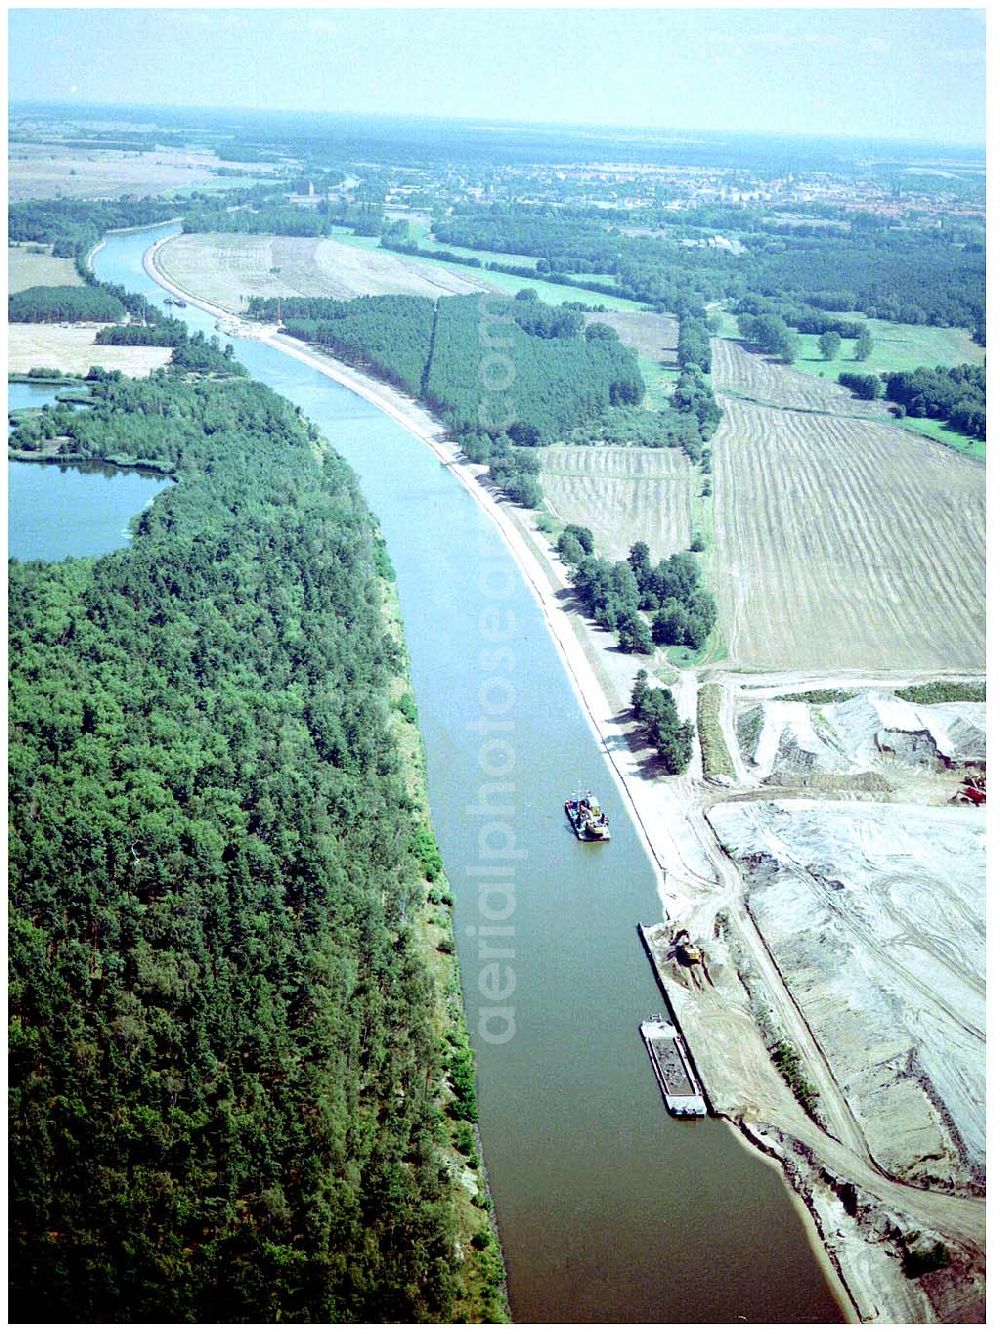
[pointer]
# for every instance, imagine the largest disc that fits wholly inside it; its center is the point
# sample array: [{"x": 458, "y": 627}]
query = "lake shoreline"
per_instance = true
[{"x": 150, "y": 467}]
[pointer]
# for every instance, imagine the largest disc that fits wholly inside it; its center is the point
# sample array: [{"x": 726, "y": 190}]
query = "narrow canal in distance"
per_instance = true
[{"x": 609, "y": 1210}]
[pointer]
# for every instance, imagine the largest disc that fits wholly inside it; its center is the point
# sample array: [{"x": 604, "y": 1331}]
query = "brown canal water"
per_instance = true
[{"x": 609, "y": 1210}]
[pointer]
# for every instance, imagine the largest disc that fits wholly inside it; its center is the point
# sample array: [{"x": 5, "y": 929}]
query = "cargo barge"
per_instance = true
[{"x": 673, "y": 1068}]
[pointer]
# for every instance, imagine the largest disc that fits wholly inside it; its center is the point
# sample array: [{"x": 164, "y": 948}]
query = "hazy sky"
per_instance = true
[{"x": 903, "y": 73}]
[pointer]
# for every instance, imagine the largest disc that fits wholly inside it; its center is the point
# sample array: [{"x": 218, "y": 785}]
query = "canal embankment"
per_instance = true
[{"x": 679, "y": 865}]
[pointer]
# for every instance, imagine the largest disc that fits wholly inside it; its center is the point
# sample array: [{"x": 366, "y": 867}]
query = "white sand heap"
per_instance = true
[
  {"x": 789, "y": 742},
  {"x": 872, "y": 729},
  {"x": 877, "y": 726}
]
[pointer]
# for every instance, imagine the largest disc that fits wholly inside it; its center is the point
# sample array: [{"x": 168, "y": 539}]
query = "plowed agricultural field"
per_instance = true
[
  {"x": 622, "y": 494},
  {"x": 733, "y": 368},
  {"x": 41, "y": 171},
  {"x": 228, "y": 269},
  {"x": 846, "y": 545}
]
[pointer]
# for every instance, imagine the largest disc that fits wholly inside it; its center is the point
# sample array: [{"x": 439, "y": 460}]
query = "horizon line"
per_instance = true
[{"x": 499, "y": 122}]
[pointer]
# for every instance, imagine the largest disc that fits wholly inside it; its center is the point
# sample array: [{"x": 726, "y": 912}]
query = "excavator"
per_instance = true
[{"x": 972, "y": 790}]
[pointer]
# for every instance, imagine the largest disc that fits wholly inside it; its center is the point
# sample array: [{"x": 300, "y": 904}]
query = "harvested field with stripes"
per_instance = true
[
  {"x": 846, "y": 545},
  {"x": 733, "y": 368},
  {"x": 622, "y": 494},
  {"x": 228, "y": 269}
]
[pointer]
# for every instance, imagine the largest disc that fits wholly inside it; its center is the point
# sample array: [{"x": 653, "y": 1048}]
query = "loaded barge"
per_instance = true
[
  {"x": 587, "y": 818},
  {"x": 673, "y": 1068}
]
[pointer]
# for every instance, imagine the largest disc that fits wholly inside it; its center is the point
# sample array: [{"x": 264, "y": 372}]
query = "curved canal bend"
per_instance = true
[{"x": 608, "y": 1209}]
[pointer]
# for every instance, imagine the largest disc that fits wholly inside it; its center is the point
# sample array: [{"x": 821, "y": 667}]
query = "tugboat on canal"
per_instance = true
[{"x": 587, "y": 818}]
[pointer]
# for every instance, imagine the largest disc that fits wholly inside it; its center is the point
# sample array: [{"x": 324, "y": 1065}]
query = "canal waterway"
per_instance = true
[{"x": 608, "y": 1209}]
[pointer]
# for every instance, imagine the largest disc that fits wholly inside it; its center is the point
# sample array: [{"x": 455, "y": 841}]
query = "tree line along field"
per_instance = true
[
  {"x": 228, "y": 269},
  {"x": 843, "y": 544},
  {"x": 73, "y": 349},
  {"x": 895, "y": 348},
  {"x": 622, "y": 494},
  {"x": 35, "y": 266},
  {"x": 774, "y": 383},
  {"x": 555, "y": 293}
]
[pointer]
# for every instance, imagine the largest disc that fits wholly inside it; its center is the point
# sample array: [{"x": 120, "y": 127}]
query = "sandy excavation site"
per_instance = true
[
  {"x": 875, "y": 911},
  {"x": 873, "y": 734},
  {"x": 840, "y": 906},
  {"x": 875, "y": 915}
]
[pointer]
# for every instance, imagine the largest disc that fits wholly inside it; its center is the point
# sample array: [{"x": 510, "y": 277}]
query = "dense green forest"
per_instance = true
[
  {"x": 51, "y": 304},
  {"x": 389, "y": 336},
  {"x": 227, "y": 1099},
  {"x": 558, "y": 378},
  {"x": 916, "y": 277},
  {"x": 74, "y": 226}
]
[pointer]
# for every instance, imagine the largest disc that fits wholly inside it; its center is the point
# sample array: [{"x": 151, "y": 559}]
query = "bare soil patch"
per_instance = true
[
  {"x": 846, "y": 545},
  {"x": 227, "y": 269},
  {"x": 652, "y": 335},
  {"x": 72, "y": 349},
  {"x": 622, "y": 494},
  {"x": 26, "y": 269}
]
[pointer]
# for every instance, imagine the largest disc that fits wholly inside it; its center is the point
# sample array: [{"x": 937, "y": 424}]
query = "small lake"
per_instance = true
[
  {"x": 56, "y": 511},
  {"x": 21, "y": 395}
]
